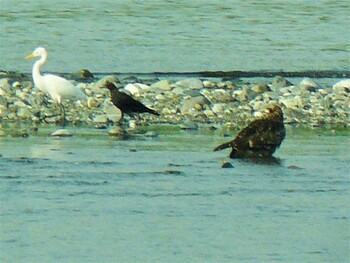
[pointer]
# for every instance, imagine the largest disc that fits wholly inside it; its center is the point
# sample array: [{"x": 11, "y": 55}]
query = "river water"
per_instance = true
[
  {"x": 90, "y": 198},
  {"x": 177, "y": 36}
]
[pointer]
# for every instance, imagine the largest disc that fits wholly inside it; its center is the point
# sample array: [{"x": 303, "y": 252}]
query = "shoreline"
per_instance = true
[
  {"x": 225, "y": 102},
  {"x": 318, "y": 74}
]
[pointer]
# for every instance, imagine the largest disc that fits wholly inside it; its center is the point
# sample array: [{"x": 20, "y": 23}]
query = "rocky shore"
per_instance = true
[{"x": 187, "y": 102}]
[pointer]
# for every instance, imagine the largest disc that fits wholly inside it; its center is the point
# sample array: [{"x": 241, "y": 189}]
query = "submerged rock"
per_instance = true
[
  {"x": 118, "y": 132},
  {"x": 61, "y": 133},
  {"x": 225, "y": 164},
  {"x": 189, "y": 125},
  {"x": 150, "y": 134}
]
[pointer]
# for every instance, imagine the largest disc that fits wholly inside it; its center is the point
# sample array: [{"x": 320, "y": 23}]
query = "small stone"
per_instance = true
[
  {"x": 34, "y": 128},
  {"x": 118, "y": 132},
  {"x": 162, "y": 84},
  {"x": 342, "y": 86},
  {"x": 83, "y": 74},
  {"x": 178, "y": 91},
  {"x": 62, "y": 133},
  {"x": 101, "y": 126},
  {"x": 160, "y": 97},
  {"x": 209, "y": 84},
  {"x": 150, "y": 134},
  {"x": 280, "y": 82},
  {"x": 308, "y": 84},
  {"x": 93, "y": 103},
  {"x": 2, "y": 133},
  {"x": 191, "y": 103},
  {"x": 132, "y": 125},
  {"x": 192, "y": 92},
  {"x": 218, "y": 108},
  {"x": 221, "y": 95},
  {"x": 167, "y": 111},
  {"x": 173, "y": 172},
  {"x": 294, "y": 167},
  {"x": 190, "y": 83},
  {"x": 113, "y": 113},
  {"x": 16, "y": 84},
  {"x": 209, "y": 113},
  {"x": 198, "y": 107},
  {"x": 24, "y": 113},
  {"x": 103, "y": 81},
  {"x": 24, "y": 133},
  {"x": 189, "y": 125},
  {"x": 225, "y": 164},
  {"x": 134, "y": 89},
  {"x": 260, "y": 88},
  {"x": 100, "y": 119}
]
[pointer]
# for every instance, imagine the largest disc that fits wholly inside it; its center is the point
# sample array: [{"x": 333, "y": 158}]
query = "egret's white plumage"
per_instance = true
[{"x": 57, "y": 87}]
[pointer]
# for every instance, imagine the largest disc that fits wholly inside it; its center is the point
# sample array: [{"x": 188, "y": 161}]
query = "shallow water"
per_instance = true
[
  {"x": 90, "y": 198},
  {"x": 176, "y": 36}
]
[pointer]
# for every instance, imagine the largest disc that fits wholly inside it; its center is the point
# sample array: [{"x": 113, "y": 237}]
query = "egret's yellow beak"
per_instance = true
[{"x": 30, "y": 56}]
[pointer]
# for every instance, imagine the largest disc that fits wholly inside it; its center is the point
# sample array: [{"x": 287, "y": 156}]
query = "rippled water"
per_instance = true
[
  {"x": 90, "y": 198},
  {"x": 147, "y": 36}
]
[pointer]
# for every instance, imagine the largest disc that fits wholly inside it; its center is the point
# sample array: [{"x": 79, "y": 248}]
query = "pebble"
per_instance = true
[
  {"x": 100, "y": 119},
  {"x": 260, "y": 88},
  {"x": 309, "y": 85},
  {"x": 133, "y": 89},
  {"x": 279, "y": 82},
  {"x": 162, "y": 84},
  {"x": 342, "y": 86},
  {"x": 189, "y": 84},
  {"x": 61, "y": 133},
  {"x": 225, "y": 164},
  {"x": 113, "y": 113},
  {"x": 191, "y": 103},
  {"x": 189, "y": 125},
  {"x": 118, "y": 132},
  {"x": 2, "y": 133},
  {"x": 24, "y": 133},
  {"x": 150, "y": 134}
]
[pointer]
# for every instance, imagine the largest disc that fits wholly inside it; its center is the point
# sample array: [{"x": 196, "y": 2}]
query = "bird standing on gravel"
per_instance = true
[
  {"x": 260, "y": 138},
  {"x": 126, "y": 103},
  {"x": 57, "y": 87}
]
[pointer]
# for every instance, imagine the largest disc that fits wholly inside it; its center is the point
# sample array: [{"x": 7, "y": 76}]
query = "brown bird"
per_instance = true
[
  {"x": 126, "y": 103},
  {"x": 260, "y": 138}
]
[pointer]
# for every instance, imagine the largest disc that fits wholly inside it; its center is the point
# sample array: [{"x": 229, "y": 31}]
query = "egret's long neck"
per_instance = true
[{"x": 36, "y": 71}]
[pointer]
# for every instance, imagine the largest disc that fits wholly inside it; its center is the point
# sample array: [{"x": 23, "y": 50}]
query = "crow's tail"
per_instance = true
[{"x": 153, "y": 111}]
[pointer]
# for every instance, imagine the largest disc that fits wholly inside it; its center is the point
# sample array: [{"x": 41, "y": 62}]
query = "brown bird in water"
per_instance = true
[
  {"x": 260, "y": 138},
  {"x": 126, "y": 103}
]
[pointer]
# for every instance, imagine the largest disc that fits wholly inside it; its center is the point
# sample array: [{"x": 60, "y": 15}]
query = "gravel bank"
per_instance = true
[{"x": 187, "y": 102}]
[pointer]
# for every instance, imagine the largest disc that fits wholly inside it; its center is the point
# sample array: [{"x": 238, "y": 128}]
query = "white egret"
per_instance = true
[{"x": 57, "y": 87}]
